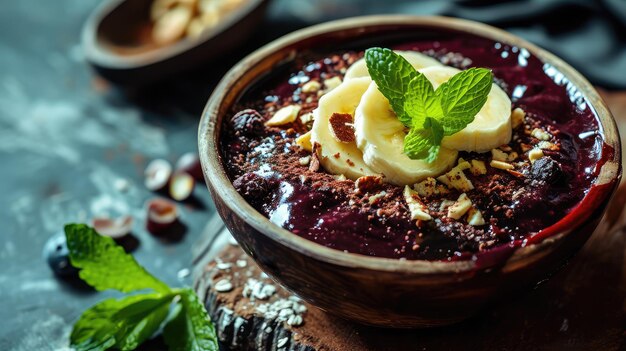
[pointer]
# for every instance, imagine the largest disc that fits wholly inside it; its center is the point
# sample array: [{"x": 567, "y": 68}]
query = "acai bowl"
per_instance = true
[{"x": 314, "y": 158}]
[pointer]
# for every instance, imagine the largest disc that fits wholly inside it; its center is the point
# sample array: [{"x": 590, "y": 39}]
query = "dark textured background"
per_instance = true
[{"x": 66, "y": 136}]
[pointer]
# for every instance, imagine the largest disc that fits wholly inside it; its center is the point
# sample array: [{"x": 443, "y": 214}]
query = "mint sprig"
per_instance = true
[
  {"x": 429, "y": 114},
  {"x": 125, "y": 323}
]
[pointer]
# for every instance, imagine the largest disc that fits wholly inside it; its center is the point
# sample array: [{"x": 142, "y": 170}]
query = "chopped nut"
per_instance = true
[
  {"x": 374, "y": 198},
  {"x": 340, "y": 177},
  {"x": 505, "y": 148},
  {"x": 416, "y": 206},
  {"x": 367, "y": 184},
  {"x": 475, "y": 217},
  {"x": 540, "y": 134},
  {"x": 546, "y": 145},
  {"x": 517, "y": 117},
  {"x": 283, "y": 116},
  {"x": 341, "y": 127},
  {"x": 307, "y": 117},
  {"x": 331, "y": 83},
  {"x": 304, "y": 141},
  {"x": 429, "y": 187},
  {"x": 501, "y": 165},
  {"x": 304, "y": 160},
  {"x": 171, "y": 25},
  {"x": 460, "y": 207},
  {"x": 311, "y": 86},
  {"x": 499, "y": 155},
  {"x": 525, "y": 147},
  {"x": 445, "y": 204},
  {"x": 455, "y": 178},
  {"x": 512, "y": 156},
  {"x": 535, "y": 154},
  {"x": 314, "y": 165},
  {"x": 478, "y": 167}
]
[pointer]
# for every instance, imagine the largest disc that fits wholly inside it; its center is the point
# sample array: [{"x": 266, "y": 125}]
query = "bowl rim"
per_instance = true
[
  {"x": 101, "y": 54},
  {"x": 216, "y": 177}
]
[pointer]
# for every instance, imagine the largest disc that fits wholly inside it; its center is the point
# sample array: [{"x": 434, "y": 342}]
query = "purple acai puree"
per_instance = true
[{"x": 275, "y": 176}]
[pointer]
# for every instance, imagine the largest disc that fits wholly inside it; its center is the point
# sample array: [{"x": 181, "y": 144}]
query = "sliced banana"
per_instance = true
[
  {"x": 380, "y": 135},
  {"x": 416, "y": 59},
  {"x": 340, "y": 157},
  {"x": 491, "y": 126}
]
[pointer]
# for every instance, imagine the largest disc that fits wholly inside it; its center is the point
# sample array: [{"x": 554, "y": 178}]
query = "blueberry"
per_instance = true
[
  {"x": 247, "y": 122},
  {"x": 56, "y": 254},
  {"x": 547, "y": 169},
  {"x": 252, "y": 185}
]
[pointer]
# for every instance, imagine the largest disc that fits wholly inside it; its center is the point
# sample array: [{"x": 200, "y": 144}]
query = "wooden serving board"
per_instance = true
[{"x": 582, "y": 307}]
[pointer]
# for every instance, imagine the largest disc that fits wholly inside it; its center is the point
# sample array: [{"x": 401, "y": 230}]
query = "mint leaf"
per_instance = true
[
  {"x": 139, "y": 321},
  {"x": 425, "y": 142},
  {"x": 420, "y": 101},
  {"x": 122, "y": 324},
  {"x": 392, "y": 73},
  {"x": 105, "y": 265},
  {"x": 191, "y": 328},
  {"x": 462, "y": 97},
  {"x": 429, "y": 114}
]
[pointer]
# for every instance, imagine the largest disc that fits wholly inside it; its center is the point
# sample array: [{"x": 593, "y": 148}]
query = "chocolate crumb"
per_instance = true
[
  {"x": 368, "y": 184},
  {"x": 342, "y": 128}
]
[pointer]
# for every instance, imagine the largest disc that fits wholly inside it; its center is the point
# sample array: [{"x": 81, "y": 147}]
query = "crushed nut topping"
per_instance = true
[
  {"x": 540, "y": 134},
  {"x": 304, "y": 141},
  {"x": 535, "y": 154},
  {"x": 416, "y": 207},
  {"x": 460, "y": 207},
  {"x": 456, "y": 179},
  {"x": 430, "y": 187},
  {"x": 501, "y": 165},
  {"x": 284, "y": 116},
  {"x": 368, "y": 184}
]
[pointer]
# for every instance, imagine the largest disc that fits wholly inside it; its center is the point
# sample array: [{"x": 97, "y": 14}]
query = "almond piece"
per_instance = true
[
  {"x": 311, "y": 86},
  {"x": 331, "y": 83},
  {"x": 540, "y": 134},
  {"x": 478, "y": 167},
  {"x": 285, "y": 115},
  {"x": 501, "y": 165},
  {"x": 499, "y": 155},
  {"x": 368, "y": 184},
  {"x": 429, "y": 187},
  {"x": 455, "y": 178},
  {"x": 475, "y": 217},
  {"x": 172, "y": 25},
  {"x": 304, "y": 141},
  {"x": 535, "y": 154},
  {"x": 460, "y": 207},
  {"x": 416, "y": 206}
]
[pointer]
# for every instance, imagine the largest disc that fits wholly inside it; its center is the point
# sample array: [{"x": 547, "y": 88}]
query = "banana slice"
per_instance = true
[
  {"x": 380, "y": 135},
  {"x": 335, "y": 156},
  {"x": 491, "y": 126},
  {"x": 416, "y": 59}
]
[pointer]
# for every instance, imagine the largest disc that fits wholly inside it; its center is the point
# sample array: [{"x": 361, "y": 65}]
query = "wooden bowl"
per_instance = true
[
  {"x": 117, "y": 42},
  {"x": 381, "y": 291}
]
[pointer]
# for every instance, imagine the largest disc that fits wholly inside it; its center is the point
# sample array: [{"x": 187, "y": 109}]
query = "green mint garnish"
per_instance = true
[
  {"x": 429, "y": 114},
  {"x": 123, "y": 324}
]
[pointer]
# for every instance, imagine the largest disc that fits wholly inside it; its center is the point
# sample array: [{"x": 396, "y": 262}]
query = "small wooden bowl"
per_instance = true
[
  {"x": 116, "y": 40},
  {"x": 381, "y": 291}
]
